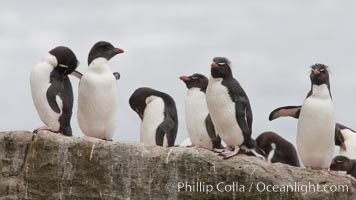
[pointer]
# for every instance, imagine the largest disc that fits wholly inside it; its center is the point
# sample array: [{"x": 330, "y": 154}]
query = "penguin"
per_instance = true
[
  {"x": 97, "y": 98},
  {"x": 51, "y": 90},
  {"x": 316, "y": 121},
  {"x": 200, "y": 127},
  {"x": 342, "y": 163},
  {"x": 229, "y": 109},
  {"x": 158, "y": 113},
  {"x": 276, "y": 149},
  {"x": 345, "y": 138}
]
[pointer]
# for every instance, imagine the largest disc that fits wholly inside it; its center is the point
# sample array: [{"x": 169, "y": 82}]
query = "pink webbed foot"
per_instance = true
[
  {"x": 229, "y": 153},
  {"x": 219, "y": 150},
  {"x": 228, "y": 148},
  {"x": 42, "y": 128}
]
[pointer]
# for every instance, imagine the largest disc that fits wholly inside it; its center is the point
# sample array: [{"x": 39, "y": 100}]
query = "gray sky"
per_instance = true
[{"x": 271, "y": 45}]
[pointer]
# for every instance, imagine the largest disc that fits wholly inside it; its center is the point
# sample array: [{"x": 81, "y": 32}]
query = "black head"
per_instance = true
[
  {"x": 339, "y": 138},
  {"x": 319, "y": 74},
  {"x": 220, "y": 68},
  {"x": 66, "y": 60},
  {"x": 341, "y": 163},
  {"x": 264, "y": 143},
  {"x": 104, "y": 50},
  {"x": 195, "y": 81},
  {"x": 137, "y": 100}
]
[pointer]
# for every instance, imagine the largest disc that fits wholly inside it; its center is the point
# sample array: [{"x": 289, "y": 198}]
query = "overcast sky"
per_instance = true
[{"x": 271, "y": 45}]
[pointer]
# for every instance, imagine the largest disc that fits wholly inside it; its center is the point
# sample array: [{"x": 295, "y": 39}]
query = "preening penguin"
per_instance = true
[
  {"x": 276, "y": 149},
  {"x": 229, "y": 108},
  {"x": 158, "y": 113},
  {"x": 200, "y": 127},
  {"x": 51, "y": 89},
  {"x": 345, "y": 138},
  {"x": 97, "y": 98},
  {"x": 342, "y": 163},
  {"x": 316, "y": 124}
]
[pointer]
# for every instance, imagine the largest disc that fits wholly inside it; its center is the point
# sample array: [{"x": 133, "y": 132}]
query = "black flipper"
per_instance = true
[
  {"x": 77, "y": 74},
  {"x": 291, "y": 111},
  {"x": 216, "y": 140},
  {"x": 168, "y": 128},
  {"x": 54, "y": 90},
  {"x": 244, "y": 119},
  {"x": 61, "y": 86}
]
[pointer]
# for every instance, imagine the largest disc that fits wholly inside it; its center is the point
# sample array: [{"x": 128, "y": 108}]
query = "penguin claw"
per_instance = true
[
  {"x": 218, "y": 150},
  {"x": 228, "y": 153},
  {"x": 44, "y": 128}
]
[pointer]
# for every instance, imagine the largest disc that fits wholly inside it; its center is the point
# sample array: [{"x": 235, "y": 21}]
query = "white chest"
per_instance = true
[
  {"x": 152, "y": 118},
  {"x": 222, "y": 112},
  {"x": 316, "y": 127},
  {"x": 39, "y": 82},
  {"x": 98, "y": 102},
  {"x": 196, "y": 111}
]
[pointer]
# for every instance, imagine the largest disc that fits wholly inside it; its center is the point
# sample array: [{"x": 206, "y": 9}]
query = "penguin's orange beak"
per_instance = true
[
  {"x": 184, "y": 78},
  {"x": 343, "y": 146},
  {"x": 214, "y": 65},
  {"x": 316, "y": 72},
  {"x": 118, "y": 50}
]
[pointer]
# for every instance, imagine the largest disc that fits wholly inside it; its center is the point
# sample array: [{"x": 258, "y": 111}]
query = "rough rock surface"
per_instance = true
[{"x": 51, "y": 166}]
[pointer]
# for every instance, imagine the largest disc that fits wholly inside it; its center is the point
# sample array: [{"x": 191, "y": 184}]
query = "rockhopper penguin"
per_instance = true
[
  {"x": 229, "y": 108},
  {"x": 158, "y": 113},
  {"x": 316, "y": 121},
  {"x": 51, "y": 90},
  {"x": 98, "y": 94},
  {"x": 200, "y": 127}
]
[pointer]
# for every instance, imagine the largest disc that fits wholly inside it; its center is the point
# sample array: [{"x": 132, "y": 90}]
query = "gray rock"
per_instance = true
[{"x": 58, "y": 167}]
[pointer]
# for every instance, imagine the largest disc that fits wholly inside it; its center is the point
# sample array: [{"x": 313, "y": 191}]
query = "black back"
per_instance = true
[
  {"x": 284, "y": 152},
  {"x": 196, "y": 81},
  {"x": 342, "y": 163},
  {"x": 169, "y": 126},
  {"x": 66, "y": 59},
  {"x": 319, "y": 75},
  {"x": 103, "y": 49},
  {"x": 221, "y": 69}
]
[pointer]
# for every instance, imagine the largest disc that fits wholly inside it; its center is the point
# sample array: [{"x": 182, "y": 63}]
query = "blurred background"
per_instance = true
[{"x": 271, "y": 45}]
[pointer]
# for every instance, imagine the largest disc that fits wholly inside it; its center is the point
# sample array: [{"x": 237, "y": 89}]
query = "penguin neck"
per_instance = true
[
  {"x": 194, "y": 91},
  {"x": 320, "y": 91},
  {"x": 99, "y": 65}
]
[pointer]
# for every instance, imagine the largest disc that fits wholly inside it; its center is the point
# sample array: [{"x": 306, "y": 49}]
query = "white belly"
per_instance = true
[
  {"x": 222, "y": 112},
  {"x": 153, "y": 116},
  {"x": 97, "y": 104},
  {"x": 350, "y": 143},
  {"x": 196, "y": 111},
  {"x": 39, "y": 82},
  {"x": 316, "y": 128}
]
